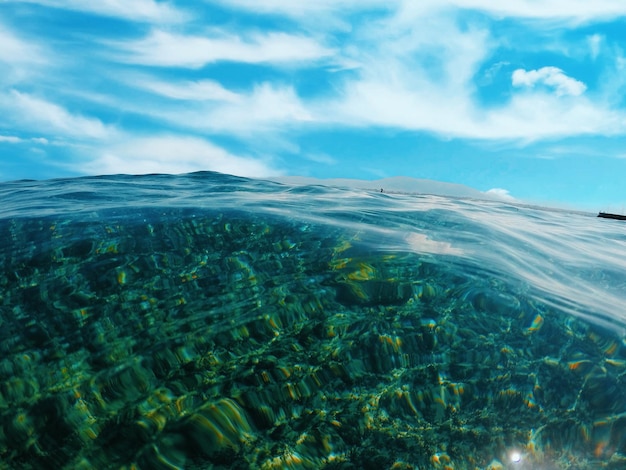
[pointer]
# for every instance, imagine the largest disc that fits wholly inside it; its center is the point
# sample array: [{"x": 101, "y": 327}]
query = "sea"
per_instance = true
[{"x": 206, "y": 321}]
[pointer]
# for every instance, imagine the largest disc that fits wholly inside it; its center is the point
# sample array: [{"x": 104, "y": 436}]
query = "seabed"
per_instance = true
[{"x": 225, "y": 342}]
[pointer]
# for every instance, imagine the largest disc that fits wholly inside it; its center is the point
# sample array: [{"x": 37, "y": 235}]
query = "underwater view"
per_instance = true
[{"x": 206, "y": 321}]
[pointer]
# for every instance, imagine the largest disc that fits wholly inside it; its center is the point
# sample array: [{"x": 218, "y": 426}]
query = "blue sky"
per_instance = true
[{"x": 523, "y": 96}]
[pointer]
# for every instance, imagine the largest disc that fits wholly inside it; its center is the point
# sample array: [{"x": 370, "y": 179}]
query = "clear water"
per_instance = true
[{"x": 208, "y": 321}]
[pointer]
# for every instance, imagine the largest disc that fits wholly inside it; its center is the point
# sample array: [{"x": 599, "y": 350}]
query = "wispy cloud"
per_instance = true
[
  {"x": 438, "y": 109},
  {"x": 136, "y": 10},
  {"x": 421, "y": 79},
  {"x": 577, "y": 10},
  {"x": 407, "y": 78},
  {"x": 187, "y": 90},
  {"x": 38, "y": 114},
  {"x": 267, "y": 108},
  {"x": 17, "y": 50},
  {"x": 20, "y": 59},
  {"x": 429, "y": 84},
  {"x": 417, "y": 78},
  {"x": 552, "y": 77},
  {"x": 11, "y": 139},
  {"x": 165, "y": 49}
]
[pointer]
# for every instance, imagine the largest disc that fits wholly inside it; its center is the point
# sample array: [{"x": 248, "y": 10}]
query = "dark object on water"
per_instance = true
[{"x": 606, "y": 215}]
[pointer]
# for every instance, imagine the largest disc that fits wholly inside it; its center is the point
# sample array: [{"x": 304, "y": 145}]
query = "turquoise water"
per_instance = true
[{"x": 209, "y": 321}]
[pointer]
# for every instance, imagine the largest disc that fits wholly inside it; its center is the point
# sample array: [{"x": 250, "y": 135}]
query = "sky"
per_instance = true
[{"x": 522, "y": 98}]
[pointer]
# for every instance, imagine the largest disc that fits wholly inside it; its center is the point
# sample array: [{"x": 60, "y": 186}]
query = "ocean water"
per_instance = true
[{"x": 208, "y": 321}]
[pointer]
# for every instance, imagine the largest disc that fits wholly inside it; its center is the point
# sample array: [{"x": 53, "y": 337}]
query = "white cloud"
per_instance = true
[
  {"x": 533, "y": 116},
  {"x": 200, "y": 90},
  {"x": 407, "y": 78},
  {"x": 266, "y": 109},
  {"x": 135, "y": 10},
  {"x": 10, "y": 139},
  {"x": 500, "y": 194},
  {"x": 49, "y": 118},
  {"x": 20, "y": 59},
  {"x": 267, "y": 106},
  {"x": 415, "y": 78},
  {"x": 550, "y": 76},
  {"x": 450, "y": 110},
  {"x": 424, "y": 79},
  {"x": 173, "y": 154},
  {"x": 16, "y": 50},
  {"x": 165, "y": 49}
]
